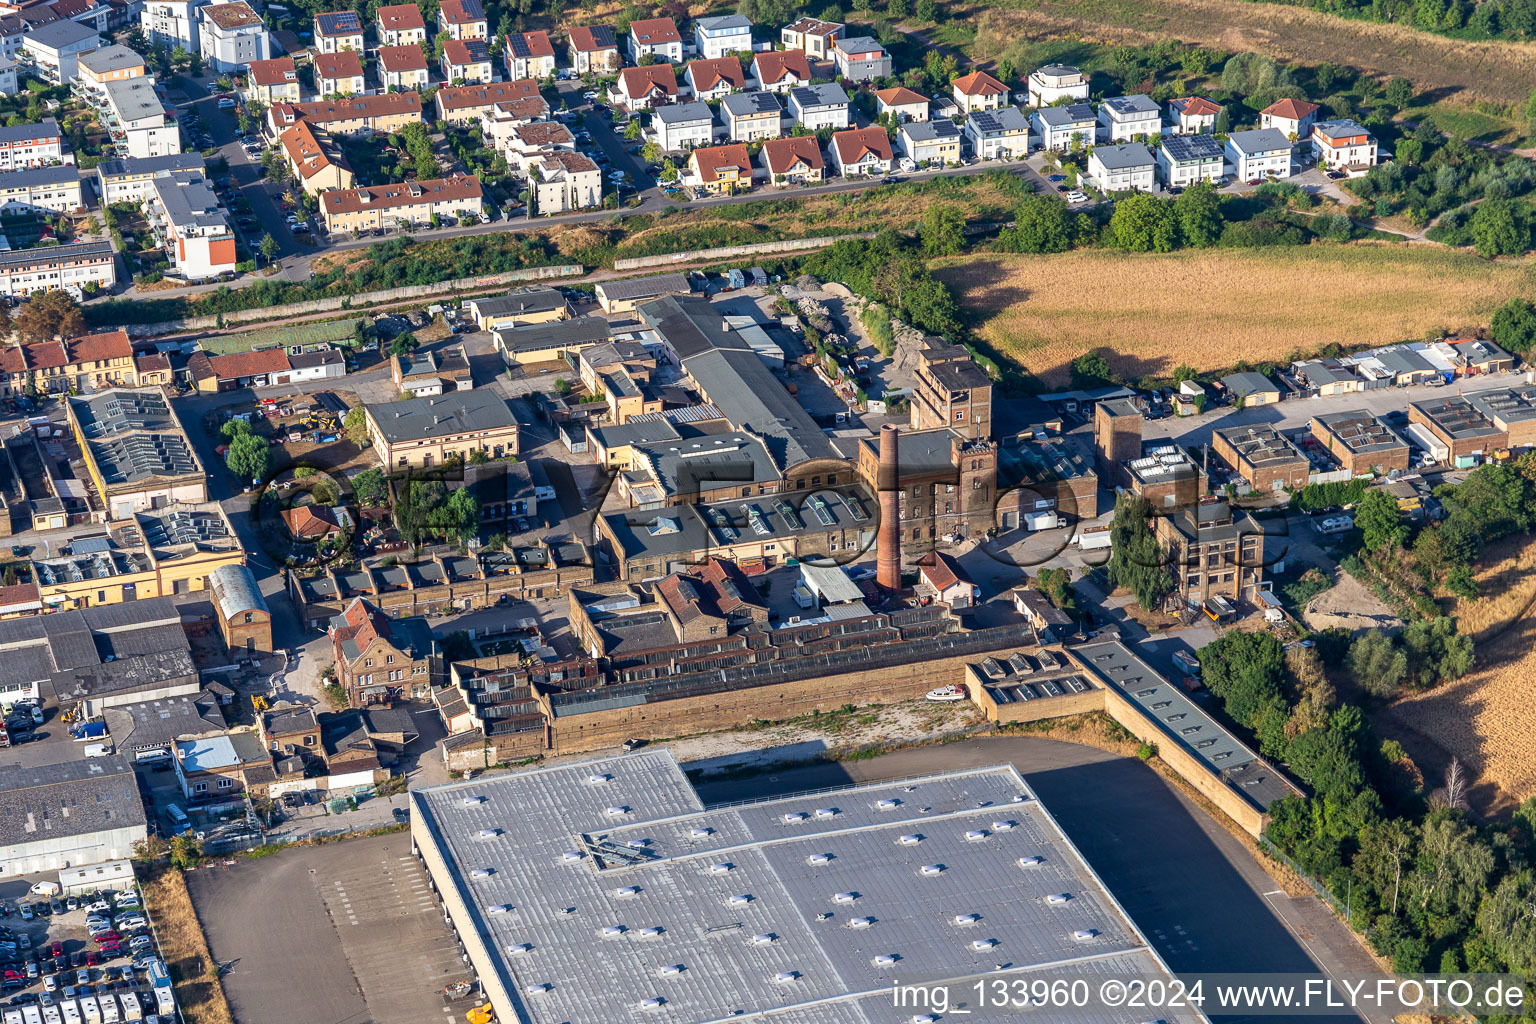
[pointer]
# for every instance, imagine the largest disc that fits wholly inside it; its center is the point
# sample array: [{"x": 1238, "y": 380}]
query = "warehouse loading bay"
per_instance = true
[{"x": 343, "y": 932}]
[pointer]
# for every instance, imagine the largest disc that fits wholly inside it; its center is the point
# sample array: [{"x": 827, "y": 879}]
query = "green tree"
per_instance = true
[
  {"x": 249, "y": 456},
  {"x": 1199, "y": 212},
  {"x": 1375, "y": 664},
  {"x": 1380, "y": 521},
  {"x": 927, "y": 10},
  {"x": 1514, "y": 325},
  {"x": 651, "y": 153},
  {"x": 1436, "y": 652},
  {"x": 1042, "y": 223},
  {"x": 1144, "y": 223},
  {"x": 632, "y": 130},
  {"x": 268, "y": 246},
  {"x": 186, "y": 851},
  {"x": 402, "y": 345},
  {"x": 1498, "y": 229},
  {"x": 1223, "y": 124},
  {"x": 1136, "y": 562},
  {"x": 355, "y": 423},
  {"x": 942, "y": 230},
  {"x": 49, "y": 315},
  {"x": 1399, "y": 93},
  {"x": 897, "y": 9},
  {"x": 1091, "y": 369},
  {"x": 233, "y": 429},
  {"x": 371, "y": 487}
]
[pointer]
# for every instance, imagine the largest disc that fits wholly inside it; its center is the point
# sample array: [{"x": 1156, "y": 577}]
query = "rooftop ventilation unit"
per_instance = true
[
  {"x": 538, "y": 988},
  {"x": 1060, "y": 897},
  {"x": 1084, "y": 934},
  {"x": 481, "y": 873},
  {"x": 1031, "y": 861},
  {"x": 653, "y": 1003},
  {"x": 819, "y": 858},
  {"x": 720, "y": 869},
  {"x": 569, "y": 856},
  {"x": 627, "y": 891},
  {"x": 785, "y": 977},
  {"x": 765, "y": 939},
  {"x": 975, "y": 835},
  {"x": 613, "y": 931},
  {"x": 1004, "y": 826},
  {"x": 983, "y": 943},
  {"x": 925, "y": 1018},
  {"x": 844, "y": 897},
  {"x": 617, "y": 811},
  {"x": 931, "y": 869},
  {"x": 670, "y": 969},
  {"x": 967, "y": 918},
  {"x": 488, "y": 833},
  {"x": 472, "y": 801},
  {"x": 795, "y": 816},
  {"x": 650, "y": 933},
  {"x": 885, "y": 959},
  {"x": 741, "y": 900},
  {"x": 638, "y": 844},
  {"x": 499, "y": 908},
  {"x": 598, "y": 778},
  {"x": 826, "y": 812},
  {"x": 701, "y": 833},
  {"x": 888, "y": 804},
  {"x": 519, "y": 949},
  {"x": 910, "y": 840},
  {"x": 861, "y": 922}
]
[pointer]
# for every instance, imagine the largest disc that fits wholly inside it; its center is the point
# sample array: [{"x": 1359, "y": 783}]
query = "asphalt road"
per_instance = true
[{"x": 1194, "y": 891}]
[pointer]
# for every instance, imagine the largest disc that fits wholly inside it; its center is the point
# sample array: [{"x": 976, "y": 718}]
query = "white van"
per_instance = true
[
  {"x": 97, "y": 749},
  {"x": 49, "y": 889}
]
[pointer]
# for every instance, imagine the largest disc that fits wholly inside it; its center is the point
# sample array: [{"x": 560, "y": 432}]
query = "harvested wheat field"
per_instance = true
[
  {"x": 1488, "y": 718},
  {"x": 1211, "y": 307},
  {"x": 1504, "y": 72}
]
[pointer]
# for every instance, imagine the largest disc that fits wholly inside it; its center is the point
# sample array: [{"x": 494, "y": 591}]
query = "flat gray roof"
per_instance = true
[
  {"x": 1184, "y": 722},
  {"x": 645, "y": 287},
  {"x": 741, "y": 894},
  {"x": 458, "y": 412},
  {"x": 683, "y": 113},
  {"x": 1361, "y": 432},
  {"x": 1123, "y": 157}
]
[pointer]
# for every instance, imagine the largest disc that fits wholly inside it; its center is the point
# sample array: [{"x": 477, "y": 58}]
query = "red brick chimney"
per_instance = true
[{"x": 888, "y": 484}]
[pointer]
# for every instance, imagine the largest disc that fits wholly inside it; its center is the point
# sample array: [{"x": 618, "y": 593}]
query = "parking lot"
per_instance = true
[
  {"x": 77, "y": 952},
  {"x": 344, "y": 932}
]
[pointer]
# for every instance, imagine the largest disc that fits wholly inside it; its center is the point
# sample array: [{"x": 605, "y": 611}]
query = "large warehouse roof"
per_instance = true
[{"x": 609, "y": 883}]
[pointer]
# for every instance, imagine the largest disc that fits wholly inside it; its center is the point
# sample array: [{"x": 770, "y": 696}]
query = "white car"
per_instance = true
[
  {"x": 226, "y": 104},
  {"x": 589, "y": 95},
  {"x": 1076, "y": 197}
]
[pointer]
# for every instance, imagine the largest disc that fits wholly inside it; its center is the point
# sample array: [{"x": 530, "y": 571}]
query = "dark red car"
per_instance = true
[
  {"x": 57, "y": 949},
  {"x": 91, "y": 959},
  {"x": 106, "y": 937}
]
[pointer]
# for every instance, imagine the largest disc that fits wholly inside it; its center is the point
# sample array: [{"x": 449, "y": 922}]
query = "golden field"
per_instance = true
[
  {"x": 1210, "y": 308},
  {"x": 1488, "y": 718}
]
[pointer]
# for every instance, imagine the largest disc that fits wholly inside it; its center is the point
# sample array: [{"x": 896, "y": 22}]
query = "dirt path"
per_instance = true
[{"x": 1349, "y": 605}]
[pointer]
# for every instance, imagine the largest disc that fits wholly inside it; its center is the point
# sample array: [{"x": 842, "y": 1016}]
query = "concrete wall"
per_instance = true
[
  {"x": 361, "y": 300},
  {"x": 731, "y": 251}
]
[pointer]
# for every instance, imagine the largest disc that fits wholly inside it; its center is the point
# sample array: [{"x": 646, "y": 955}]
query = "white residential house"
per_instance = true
[
  {"x": 1130, "y": 117},
  {"x": 338, "y": 30},
  {"x": 1344, "y": 145},
  {"x": 714, "y": 79},
  {"x": 529, "y": 55},
  {"x": 902, "y": 104},
  {"x": 468, "y": 61},
  {"x": 183, "y": 210},
  {"x": 819, "y": 106},
  {"x": 862, "y": 152},
  {"x": 655, "y": 37},
  {"x": 133, "y": 108},
  {"x": 8, "y": 83},
  {"x": 998, "y": 134},
  {"x": 402, "y": 68},
  {"x": 781, "y": 70},
  {"x": 273, "y": 81},
  {"x": 1056, "y": 82},
  {"x": 33, "y": 145},
  {"x": 861, "y": 59},
  {"x": 41, "y": 188},
  {"x": 525, "y": 143},
  {"x": 1059, "y": 127},
  {"x": 171, "y": 23},
  {"x": 683, "y": 126},
  {"x": 723, "y": 35},
  {"x": 1291, "y": 118},
  {"x": 1193, "y": 115},
  {"x": 338, "y": 74},
  {"x": 401, "y": 25},
  {"x": 594, "y": 50},
  {"x": 979, "y": 91},
  {"x": 561, "y": 181},
  {"x": 231, "y": 36},
  {"x": 1122, "y": 167},
  {"x": 812, "y": 36},
  {"x": 930, "y": 143},
  {"x": 53, "y": 50},
  {"x": 751, "y": 116},
  {"x": 793, "y": 160},
  {"x": 1184, "y": 160},
  {"x": 644, "y": 88},
  {"x": 1262, "y": 151}
]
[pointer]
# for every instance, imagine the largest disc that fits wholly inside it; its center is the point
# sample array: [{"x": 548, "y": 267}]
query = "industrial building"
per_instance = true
[
  {"x": 1166, "y": 477},
  {"x": 1362, "y": 443},
  {"x": 1459, "y": 425},
  {"x": 1262, "y": 456},
  {"x": 1216, "y": 556},
  {"x": 605, "y": 890},
  {"x": 136, "y": 451},
  {"x": 69, "y": 815}
]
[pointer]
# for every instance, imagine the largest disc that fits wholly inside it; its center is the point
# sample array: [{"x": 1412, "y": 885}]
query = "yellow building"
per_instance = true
[
  {"x": 314, "y": 159},
  {"x": 89, "y": 362},
  {"x": 721, "y": 169},
  {"x": 403, "y": 206},
  {"x": 162, "y": 553},
  {"x": 518, "y": 309},
  {"x": 420, "y": 433},
  {"x": 135, "y": 450}
]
